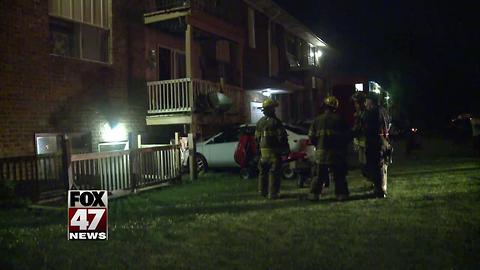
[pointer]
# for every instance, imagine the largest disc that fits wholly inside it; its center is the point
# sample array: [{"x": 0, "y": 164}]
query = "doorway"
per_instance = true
[
  {"x": 171, "y": 64},
  {"x": 255, "y": 112}
]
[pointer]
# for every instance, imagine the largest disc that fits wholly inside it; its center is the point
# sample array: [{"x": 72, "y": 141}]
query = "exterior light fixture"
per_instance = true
[
  {"x": 267, "y": 93},
  {"x": 114, "y": 132},
  {"x": 359, "y": 87},
  {"x": 319, "y": 54}
]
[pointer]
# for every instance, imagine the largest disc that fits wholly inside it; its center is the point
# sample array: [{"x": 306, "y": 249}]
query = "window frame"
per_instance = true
[
  {"x": 174, "y": 53},
  {"x": 105, "y": 25}
]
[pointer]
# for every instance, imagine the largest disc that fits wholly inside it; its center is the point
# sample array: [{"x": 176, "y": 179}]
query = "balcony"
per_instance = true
[
  {"x": 225, "y": 10},
  {"x": 166, "y": 5},
  {"x": 186, "y": 96}
]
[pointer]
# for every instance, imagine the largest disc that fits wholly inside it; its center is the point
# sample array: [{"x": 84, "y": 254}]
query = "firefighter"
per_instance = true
[
  {"x": 272, "y": 140},
  {"x": 330, "y": 134},
  {"x": 359, "y": 130},
  {"x": 377, "y": 147}
]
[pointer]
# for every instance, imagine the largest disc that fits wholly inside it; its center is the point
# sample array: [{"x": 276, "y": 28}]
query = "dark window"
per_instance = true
[
  {"x": 63, "y": 38},
  {"x": 79, "y": 40},
  {"x": 94, "y": 43},
  {"x": 164, "y": 64}
]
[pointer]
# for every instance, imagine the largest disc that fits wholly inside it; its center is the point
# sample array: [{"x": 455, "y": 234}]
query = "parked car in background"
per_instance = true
[{"x": 218, "y": 151}]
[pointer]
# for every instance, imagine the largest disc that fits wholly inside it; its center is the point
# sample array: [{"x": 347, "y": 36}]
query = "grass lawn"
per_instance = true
[{"x": 431, "y": 220}]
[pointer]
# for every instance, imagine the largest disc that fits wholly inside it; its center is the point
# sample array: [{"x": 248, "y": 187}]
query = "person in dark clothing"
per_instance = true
[
  {"x": 376, "y": 144},
  {"x": 330, "y": 134},
  {"x": 272, "y": 140},
  {"x": 359, "y": 130}
]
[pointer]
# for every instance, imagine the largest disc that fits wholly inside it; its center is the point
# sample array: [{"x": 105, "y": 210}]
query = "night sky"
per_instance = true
[{"x": 426, "y": 53}]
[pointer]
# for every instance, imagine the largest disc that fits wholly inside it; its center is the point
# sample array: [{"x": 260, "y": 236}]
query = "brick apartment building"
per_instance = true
[
  {"x": 84, "y": 68},
  {"x": 68, "y": 69},
  {"x": 253, "y": 49}
]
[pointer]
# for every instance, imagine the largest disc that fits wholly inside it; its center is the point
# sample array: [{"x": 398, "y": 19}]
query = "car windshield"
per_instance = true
[
  {"x": 231, "y": 135},
  {"x": 298, "y": 130}
]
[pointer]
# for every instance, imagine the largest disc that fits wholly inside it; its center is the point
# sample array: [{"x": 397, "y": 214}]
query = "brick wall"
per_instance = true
[{"x": 40, "y": 92}]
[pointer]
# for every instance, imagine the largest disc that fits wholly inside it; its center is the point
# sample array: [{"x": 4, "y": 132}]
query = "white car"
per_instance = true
[{"x": 218, "y": 151}]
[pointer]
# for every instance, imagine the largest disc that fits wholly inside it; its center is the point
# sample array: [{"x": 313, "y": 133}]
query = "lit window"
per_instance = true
[
  {"x": 311, "y": 56},
  {"x": 292, "y": 49}
]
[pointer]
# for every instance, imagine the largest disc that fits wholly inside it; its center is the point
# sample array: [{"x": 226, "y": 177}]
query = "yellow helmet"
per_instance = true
[
  {"x": 331, "y": 101},
  {"x": 269, "y": 103}
]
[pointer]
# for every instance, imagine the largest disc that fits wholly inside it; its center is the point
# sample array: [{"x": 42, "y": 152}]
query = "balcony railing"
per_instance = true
[
  {"x": 164, "y": 5},
  {"x": 181, "y": 95},
  {"x": 226, "y": 10}
]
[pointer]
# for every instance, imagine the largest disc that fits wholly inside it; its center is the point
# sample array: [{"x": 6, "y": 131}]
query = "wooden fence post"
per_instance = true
[
  {"x": 192, "y": 160},
  {"x": 133, "y": 169},
  {"x": 66, "y": 161},
  {"x": 133, "y": 161},
  {"x": 68, "y": 164},
  {"x": 179, "y": 153},
  {"x": 36, "y": 188}
]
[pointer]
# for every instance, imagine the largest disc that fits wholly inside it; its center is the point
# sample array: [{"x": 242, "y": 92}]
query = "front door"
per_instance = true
[
  {"x": 164, "y": 64},
  {"x": 255, "y": 112}
]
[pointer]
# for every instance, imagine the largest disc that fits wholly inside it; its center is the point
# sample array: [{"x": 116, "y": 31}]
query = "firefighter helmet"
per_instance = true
[
  {"x": 358, "y": 97},
  {"x": 331, "y": 102},
  {"x": 269, "y": 103}
]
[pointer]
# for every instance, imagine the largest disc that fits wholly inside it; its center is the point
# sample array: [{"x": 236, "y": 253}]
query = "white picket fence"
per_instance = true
[{"x": 122, "y": 172}]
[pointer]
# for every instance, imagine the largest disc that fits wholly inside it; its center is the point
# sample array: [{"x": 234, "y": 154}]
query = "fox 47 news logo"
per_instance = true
[{"x": 87, "y": 215}]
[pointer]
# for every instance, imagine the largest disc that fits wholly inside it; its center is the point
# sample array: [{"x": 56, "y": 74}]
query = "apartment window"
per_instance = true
[
  {"x": 292, "y": 48},
  {"x": 171, "y": 64},
  {"x": 81, "y": 28},
  {"x": 251, "y": 28},
  {"x": 64, "y": 39},
  {"x": 311, "y": 55},
  {"x": 94, "y": 43}
]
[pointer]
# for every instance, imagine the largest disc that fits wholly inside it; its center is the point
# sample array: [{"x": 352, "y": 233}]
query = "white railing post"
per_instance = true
[{"x": 191, "y": 94}]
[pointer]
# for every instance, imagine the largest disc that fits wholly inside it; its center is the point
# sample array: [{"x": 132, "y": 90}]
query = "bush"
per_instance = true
[{"x": 7, "y": 195}]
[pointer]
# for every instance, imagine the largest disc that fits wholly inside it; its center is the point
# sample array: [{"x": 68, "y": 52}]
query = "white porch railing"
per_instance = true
[
  {"x": 172, "y": 96},
  {"x": 177, "y": 96},
  {"x": 121, "y": 172}
]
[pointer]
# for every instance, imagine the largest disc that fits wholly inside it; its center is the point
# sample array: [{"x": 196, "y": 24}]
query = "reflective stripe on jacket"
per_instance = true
[
  {"x": 330, "y": 134},
  {"x": 270, "y": 134}
]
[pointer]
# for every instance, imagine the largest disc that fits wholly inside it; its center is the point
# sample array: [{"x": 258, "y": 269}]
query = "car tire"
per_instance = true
[
  {"x": 287, "y": 172},
  {"x": 202, "y": 164}
]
